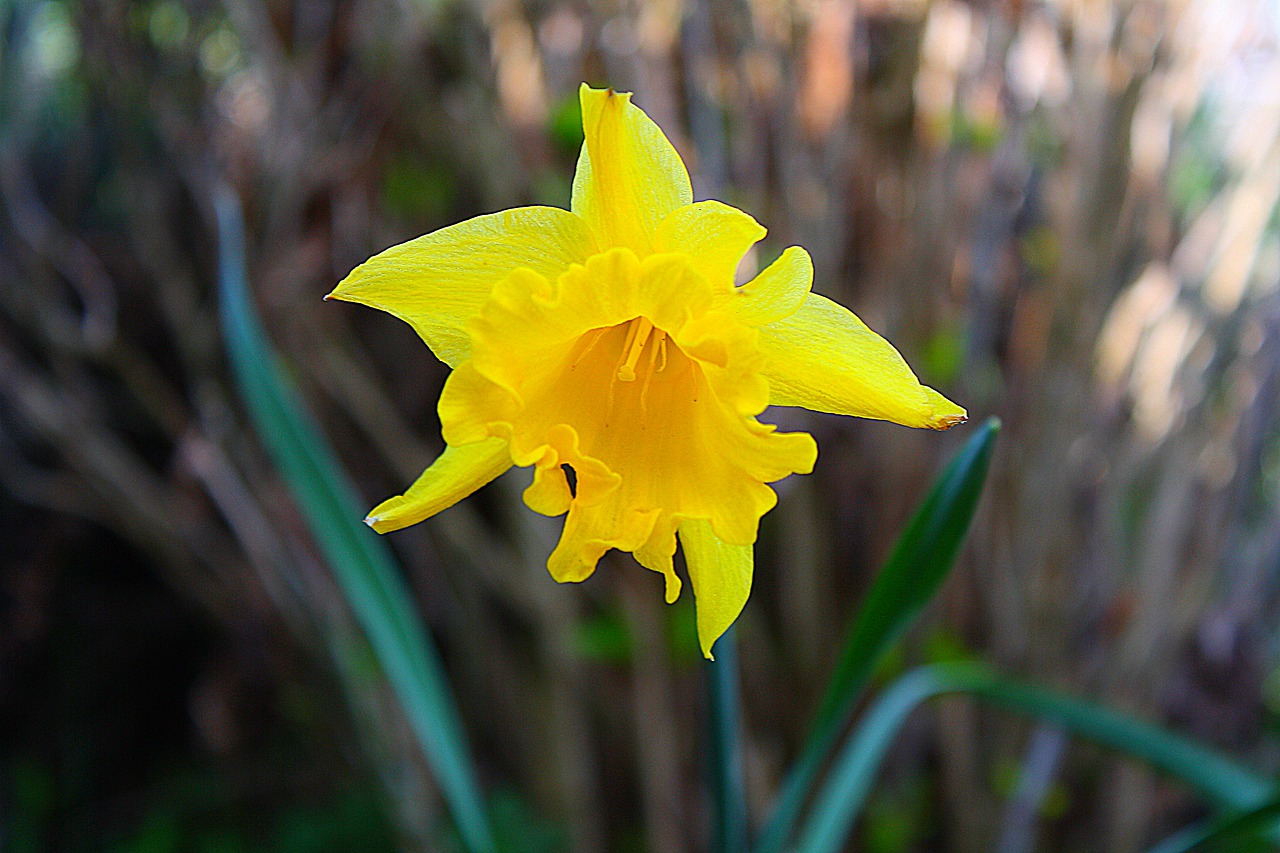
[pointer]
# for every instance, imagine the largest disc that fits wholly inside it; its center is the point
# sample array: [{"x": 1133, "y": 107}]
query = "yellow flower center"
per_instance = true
[
  {"x": 634, "y": 375},
  {"x": 628, "y": 394},
  {"x": 639, "y": 346}
]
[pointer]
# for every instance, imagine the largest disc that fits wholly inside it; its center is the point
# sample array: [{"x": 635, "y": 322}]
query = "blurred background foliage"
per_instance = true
[{"x": 1063, "y": 213}]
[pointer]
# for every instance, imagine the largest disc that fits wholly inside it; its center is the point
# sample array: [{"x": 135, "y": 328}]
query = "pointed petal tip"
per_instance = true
[
  {"x": 585, "y": 89},
  {"x": 945, "y": 414},
  {"x": 947, "y": 421},
  {"x": 372, "y": 521}
]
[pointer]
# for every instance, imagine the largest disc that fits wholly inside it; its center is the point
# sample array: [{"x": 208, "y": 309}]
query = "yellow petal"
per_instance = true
[
  {"x": 824, "y": 358},
  {"x": 549, "y": 493},
  {"x": 457, "y": 472},
  {"x": 438, "y": 281},
  {"x": 629, "y": 176},
  {"x": 778, "y": 291},
  {"x": 589, "y": 533},
  {"x": 714, "y": 235},
  {"x": 656, "y": 555},
  {"x": 721, "y": 578},
  {"x": 946, "y": 414}
]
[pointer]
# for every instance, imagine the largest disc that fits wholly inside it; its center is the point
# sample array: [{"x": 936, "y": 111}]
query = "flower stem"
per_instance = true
[{"x": 729, "y": 831}]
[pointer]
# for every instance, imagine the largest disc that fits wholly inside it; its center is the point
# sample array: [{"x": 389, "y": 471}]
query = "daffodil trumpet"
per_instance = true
[{"x": 611, "y": 339}]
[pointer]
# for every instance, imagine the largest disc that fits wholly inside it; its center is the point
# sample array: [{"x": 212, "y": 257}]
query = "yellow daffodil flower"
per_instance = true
[{"x": 610, "y": 339}]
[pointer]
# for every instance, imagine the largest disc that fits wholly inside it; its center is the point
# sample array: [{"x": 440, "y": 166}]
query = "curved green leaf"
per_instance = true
[
  {"x": 360, "y": 561},
  {"x": 922, "y": 558},
  {"x": 1233, "y": 831},
  {"x": 1218, "y": 778}
]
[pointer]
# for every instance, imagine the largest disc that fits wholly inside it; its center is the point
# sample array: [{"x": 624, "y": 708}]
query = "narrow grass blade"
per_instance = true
[
  {"x": 362, "y": 563},
  {"x": 1223, "y": 782},
  {"x": 920, "y": 561},
  {"x": 1238, "y": 831},
  {"x": 729, "y": 834}
]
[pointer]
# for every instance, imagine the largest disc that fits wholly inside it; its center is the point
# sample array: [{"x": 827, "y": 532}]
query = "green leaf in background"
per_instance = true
[
  {"x": 1222, "y": 781},
  {"x": 360, "y": 561},
  {"x": 1238, "y": 832},
  {"x": 417, "y": 189},
  {"x": 920, "y": 561},
  {"x": 728, "y": 790},
  {"x": 604, "y": 638},
  {"x": 564, "y": 125}
]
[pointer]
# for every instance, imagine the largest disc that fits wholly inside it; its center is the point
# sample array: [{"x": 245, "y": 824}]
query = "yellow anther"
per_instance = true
[
  {"x": 659, "y": 349},
  {"x": 637, "y": 335}
]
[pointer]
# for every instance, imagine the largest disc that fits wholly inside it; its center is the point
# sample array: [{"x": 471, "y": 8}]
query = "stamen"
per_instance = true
[
  {"x": 632, "y": 329},
  {"x": 637, "y": 335},
  {"x": 659, "y": 347}
]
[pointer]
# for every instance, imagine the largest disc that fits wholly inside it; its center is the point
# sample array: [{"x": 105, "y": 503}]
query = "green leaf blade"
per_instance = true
[
  {"x": 919, "y": 562},
  {"x": 362, "y": 563},
  {"x": 838, "y": 805},
  {"x": 1251, "y": 829}
]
